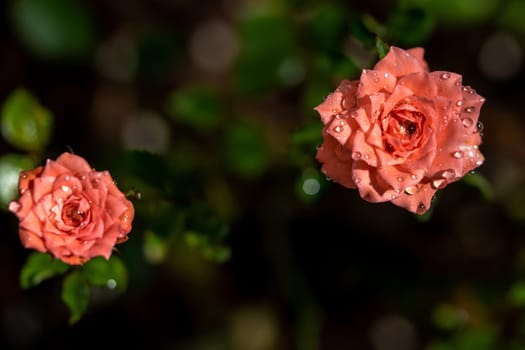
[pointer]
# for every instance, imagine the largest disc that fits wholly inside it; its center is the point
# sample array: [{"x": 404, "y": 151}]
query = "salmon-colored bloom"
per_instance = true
[
  {"x": 70, "y": 210},
  {"x": 400, "y": 132}
]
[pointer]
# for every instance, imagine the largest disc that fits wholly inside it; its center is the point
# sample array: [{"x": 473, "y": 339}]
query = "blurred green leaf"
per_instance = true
[
  {"x": 511, "y": 15},
  {"x": 75, "y": 294},
  {"x": 211, "y": 251},
  {"x": 516, "y": 295},
  {"x": 25, "y": 123},
  {"x": 55, "y": 29},
  {"x": 409, "y": 26},
  {"x": 198, "y": 106},
  {"x": 266, "y": 42},
  {"x": 40, "y": 267},
  {"x": 10, "y": 167},
  {"x": 476, "y": 338},
  {"x": 158, "y": 50},
  {"x": 110, "y": 273},
  {"x": 478, "y": 181},
  {"x": 246, "y": 151},
  {"x": 458, "y": 12},
  {"x": 154, "y": 248},
  {"x": 327, "y": 27},
  {"x": 449, "y": 317}
]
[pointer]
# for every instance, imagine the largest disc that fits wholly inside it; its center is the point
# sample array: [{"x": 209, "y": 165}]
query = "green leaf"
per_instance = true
[
  {"x": 449, "y": 317},
  {"x": 40, "y": 267},
  {"x": 198, "y": 106},
  {"x": 478, "y": 181},
  {"x": 382, "y": 48},
  {"x": 245, "y": 150},
  {"x": 154, "y": 248},
  {"x": 75, "y": 294},
  {"x": 110, "y": 273},
  {"x": 55, "y": 29},
  {"x": 25, "y": 123},
  {"x": 266, "y": 43},
  {"x": 516, "y": 294},
  {"x": 10, "y": 167}
]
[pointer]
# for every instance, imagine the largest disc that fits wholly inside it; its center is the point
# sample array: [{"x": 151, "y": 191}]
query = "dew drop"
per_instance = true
[
  {"x": 385, "y": 75},
  {"x": 65, "y": 188},
  {"x": 448, "y": 174},
  {"x": 356, "y": 155},
  {"x": 356, "y": 180},
  {"x": 410, "y": 190},
  {"x": 459, "y": 103},
  {"x": 83, "y": 177},
  {"x": 68, "y": 178},
  {"x": 338, "y": 128},
  {"x": 367, "y": 156},
  {"x": 479, "y": 162},
  {"x": 457, "y": 154},
  {"x": 24, "y": 176},
  {"x": 376, "y": 80},
  {"x": 438, "y": 183},
  {"x": 445, "y": 76},
  {"x": 14, "y": 206},
  {"x": 469, "y": 109},
  {"x": 393, "y": 197},
  {"x": 400, "y": 179},
  {"x": 421, "y": 207},
  {"x": 413, "y": 177},
  {"x": 480, "y": 127},
  {"x": 467, "y": 122}
]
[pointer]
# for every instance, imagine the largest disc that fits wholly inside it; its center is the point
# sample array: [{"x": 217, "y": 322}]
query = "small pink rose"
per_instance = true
[
  {"x": 400, "y": 132},
  {"x": 70, "y": 210}
]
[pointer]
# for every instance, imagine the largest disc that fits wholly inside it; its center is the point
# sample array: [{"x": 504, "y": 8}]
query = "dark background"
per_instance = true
[{"x": 327, "y": 271}]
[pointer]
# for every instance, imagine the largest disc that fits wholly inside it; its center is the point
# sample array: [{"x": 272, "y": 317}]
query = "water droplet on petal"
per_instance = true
[
  {"x": 421, "y": 207},
  {"x": 438, "y": 183},
  {"x": 356, "y": 155},
  {"x": 469, "y": 109},
  {"x": 385, "y": 75},
  {"x": 445, "y": 76},
  {"x": 400, "y": 179},
  {"x": 413, "y": 177},
  {"x": 65, "y": 188},
  {"x": 367, "y": 156},
  {"x": 14, "y": 206},
  {"x": 68, "y": 178},
  {"x": 410, "y": 190},
  {"x": 448, "y": 174},
  {"x": 393, "y": 197},
  {"x": 467, "y": 122},
  {"x": 356, "y": 180},
  {"x": 338, "y": 129},
  {"x": 480, "y": 127},
  {"x": 457, "y": 154}
]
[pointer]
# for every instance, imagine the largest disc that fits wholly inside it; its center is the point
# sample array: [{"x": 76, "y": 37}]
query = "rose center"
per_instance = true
[
  {"x": 72, "y": 216},
  {"x": 403, "y": 130}
]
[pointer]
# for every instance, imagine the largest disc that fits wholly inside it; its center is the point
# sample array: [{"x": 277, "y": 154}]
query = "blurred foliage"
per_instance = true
[
  {"x": 55, "y": 29},
  {"x": 25, "y": 123},
  {"x": 235, "y": 208}
]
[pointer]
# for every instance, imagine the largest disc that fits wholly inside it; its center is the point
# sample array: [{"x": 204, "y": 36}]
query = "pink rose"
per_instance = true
[
  {"x": 400, "y": 132},
  {"x": 72, "y": 211}
]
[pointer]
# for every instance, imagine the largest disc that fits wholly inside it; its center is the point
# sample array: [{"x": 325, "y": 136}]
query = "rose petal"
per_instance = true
[
  {"x": 31, "y": 240},
  {"x": 74, "y": 163},
  {"x": 400, "y": 62}
]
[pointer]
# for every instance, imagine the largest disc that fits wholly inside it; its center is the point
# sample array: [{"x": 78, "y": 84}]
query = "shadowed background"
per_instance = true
[{"x": 206, "y": 109}]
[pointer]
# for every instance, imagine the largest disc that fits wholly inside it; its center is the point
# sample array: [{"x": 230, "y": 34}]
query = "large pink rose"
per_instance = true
[
  {"x": 72, "y": 211},
  {"x": 400, "y": 132}
]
